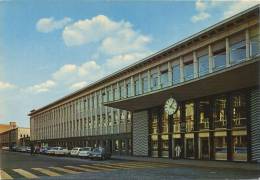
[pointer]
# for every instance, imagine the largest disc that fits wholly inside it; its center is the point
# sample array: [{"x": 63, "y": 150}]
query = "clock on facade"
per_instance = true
[{"x": 170, "y": 106}]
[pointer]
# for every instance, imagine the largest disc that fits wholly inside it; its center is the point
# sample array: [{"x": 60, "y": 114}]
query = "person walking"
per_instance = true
[
  {"x": 32, "y": 149},
  {"x": 178, "y": 151}
]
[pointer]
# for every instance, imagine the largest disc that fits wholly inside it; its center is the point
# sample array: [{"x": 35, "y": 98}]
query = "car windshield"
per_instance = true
[{"x": 97, "y": 150}]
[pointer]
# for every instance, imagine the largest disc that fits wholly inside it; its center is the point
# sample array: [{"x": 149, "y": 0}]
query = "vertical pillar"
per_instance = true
[
  {"x": 181, "y": 70},
  {"x": 132, "y": 86},
  {"x": 140, "y": 84},
  {"x": 149, "y": 80},
  {"x": 210, "y": 58},
  {"x": 170, "y": 78},
  {"x": 159, "y": 78},
  {"x": 247, "y": 44},
  {"x": 195, "y": 64},
  {"x": 227, "y": 53}
]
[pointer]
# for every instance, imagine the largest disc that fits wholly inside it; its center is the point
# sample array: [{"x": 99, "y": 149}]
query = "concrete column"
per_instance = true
[
  {"x": 169, "y": 74},
  {"x": 247, "y": 44},
  {"x": 125, "y": 89},
  {"x": 227, "y": 53},
  {"x": 118, "y": 91},
  {"x": 181, "y": 70},
  {"x": 140, "y": 83},
  {"x": 195, "y": 65},
  {"x": 210, "y": 59},
  {"x": 132, "y": 84},
  {"x": 149, "y": 80},
  {"x": 159, "y": 78}
]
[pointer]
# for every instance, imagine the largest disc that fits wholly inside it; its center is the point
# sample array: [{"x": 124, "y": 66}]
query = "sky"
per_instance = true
[{"x": 50, "y": 48}]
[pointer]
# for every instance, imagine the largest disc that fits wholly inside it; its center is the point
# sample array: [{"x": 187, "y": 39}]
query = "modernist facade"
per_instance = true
[
  {"x": 214, "y": 77},
  {"x": 18, "y": 136}
]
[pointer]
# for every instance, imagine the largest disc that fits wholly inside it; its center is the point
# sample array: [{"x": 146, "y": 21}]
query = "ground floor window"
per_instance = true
[
  {"x": 239, "y": 150},
  {"x": 220, "y": 147}
]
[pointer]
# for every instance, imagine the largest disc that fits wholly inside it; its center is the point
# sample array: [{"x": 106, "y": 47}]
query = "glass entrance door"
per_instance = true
[
  {"x": 189, "y": 148},
  {"x": 204, "y": 148}
]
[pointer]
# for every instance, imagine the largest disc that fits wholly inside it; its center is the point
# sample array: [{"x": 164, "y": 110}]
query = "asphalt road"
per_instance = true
[{"x": 18, "y": 165}]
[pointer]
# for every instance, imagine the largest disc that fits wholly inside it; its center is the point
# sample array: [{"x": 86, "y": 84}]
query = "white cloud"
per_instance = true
[
  {"x": 114, "y": 36},
  {"x": 238, "y": 6},
  {"x": 200, "y": 17},
  {"x": 201, "y": 6},
  {"x": 65, "y": 71},
  {"x": 88, "y": 68},
  {"x": 123, "y": 60},
  {"x": 6, "y": 85},
  {"x": 46, "y": 25},
  {"x": 42, "y": 87},
  {"x": 78, "y": 85}
]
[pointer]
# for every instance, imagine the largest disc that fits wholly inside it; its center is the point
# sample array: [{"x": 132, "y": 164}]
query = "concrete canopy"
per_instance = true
[{"x": 236, "y": 77}]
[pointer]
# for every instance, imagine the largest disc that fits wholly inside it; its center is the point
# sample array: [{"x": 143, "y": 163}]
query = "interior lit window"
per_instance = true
[
  {"x": 176, "y": 122},
  {"x": 239, "y": 110},
  {"x": 204, "y": 114},
  {"x": 239, "y": 150},
  {"x": 219, "y": 112},
  {"x": 220, "y": 147},
  {"x": 189, "y": 116}
]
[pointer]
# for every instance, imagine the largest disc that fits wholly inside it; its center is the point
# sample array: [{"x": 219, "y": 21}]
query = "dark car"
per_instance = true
[{"x": 100, "y": 153}]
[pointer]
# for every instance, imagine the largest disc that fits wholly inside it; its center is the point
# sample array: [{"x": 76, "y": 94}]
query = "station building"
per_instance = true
[{"x": 213, "y": 76}]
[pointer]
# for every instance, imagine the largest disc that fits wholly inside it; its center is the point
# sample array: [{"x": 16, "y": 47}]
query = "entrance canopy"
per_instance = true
[{"x": 239, "y": 76}]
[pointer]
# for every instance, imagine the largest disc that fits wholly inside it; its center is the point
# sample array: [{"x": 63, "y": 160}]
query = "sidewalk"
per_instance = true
[{"x": 195, "y": 163}]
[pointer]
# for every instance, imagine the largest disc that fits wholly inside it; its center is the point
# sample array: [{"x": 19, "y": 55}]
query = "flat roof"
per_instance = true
[{"x": 148, "y": 58}]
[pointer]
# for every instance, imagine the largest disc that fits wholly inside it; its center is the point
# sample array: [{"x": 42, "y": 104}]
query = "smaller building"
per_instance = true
[
  {"x": 15, "y": 137},
  {"x": 6, "y": 127}
]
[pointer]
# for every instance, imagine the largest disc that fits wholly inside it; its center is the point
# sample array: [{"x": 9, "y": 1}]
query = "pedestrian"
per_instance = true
[
  {"x": 32, "y": 149},
  {"x": 178, "y": 151}
]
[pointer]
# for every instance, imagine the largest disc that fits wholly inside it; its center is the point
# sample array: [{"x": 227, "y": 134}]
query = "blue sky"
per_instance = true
[{"x": 51, "y": 48}]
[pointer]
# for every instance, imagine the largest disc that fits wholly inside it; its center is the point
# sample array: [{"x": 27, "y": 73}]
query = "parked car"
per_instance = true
[
  {"x": 44, "y": 150},
  {"x": 100, "y": 153},
  {"x": 51, "y": 150},
  {"x": 75, "y": 151},
  {"x": 85, "y": 152},
  {"x": 28, "y": 149},
  {"x": 21, "y": 149},
  {"x": 61, "y": 151},
  {"x": 14, "y": 148},
  {"x": 5, "y": 148}
]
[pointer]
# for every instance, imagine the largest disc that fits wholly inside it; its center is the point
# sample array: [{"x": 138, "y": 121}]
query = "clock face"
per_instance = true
[{"x": 170, "y": 106}]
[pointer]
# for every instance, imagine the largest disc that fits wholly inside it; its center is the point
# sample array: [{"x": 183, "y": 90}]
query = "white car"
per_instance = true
[
  {"x": 75, "y": 151},
  {"x": 61, "y": 151},
  {"x": 5, "y": 148},
  {"x": 85, "y": 152},
  {"x": 52, "y": 150}
]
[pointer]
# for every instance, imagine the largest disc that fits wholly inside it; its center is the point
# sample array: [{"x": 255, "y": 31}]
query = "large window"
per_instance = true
[
  {"x": 137, "y": 87},
  {"x": 128, "y": 89},
  {"x": 122, "y": 92},
  {"x": 164, "y": 79},
  {"x": 255, "y": 45},
  {"x": 219, "y": 59},
  {"x": 188, "y": 70},
  {"x": 189, "y": 116},
  {"x": 176, "y": 74},
  {"x": 154, "y": 123},
  {"x": 237, "y": 52},
  {"x": 239, "y": 150},
  {"x": 219, "y": 112},
  {"x": 144, "y": 84},
  {"x": 203, "y": 65},
  {"x": 165, "y": 123},
  {"x": 176, "y": 122},
  {"x": 239, "y": 110},
  {"x": 165, "y": 145},
  {"x": 154, "y": 81},
  {"x": 204, "y": 114},
  {"x": 220, "y": 147}
]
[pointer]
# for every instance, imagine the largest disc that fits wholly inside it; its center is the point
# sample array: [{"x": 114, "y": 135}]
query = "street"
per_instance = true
[{"x": 15, "y": 165}]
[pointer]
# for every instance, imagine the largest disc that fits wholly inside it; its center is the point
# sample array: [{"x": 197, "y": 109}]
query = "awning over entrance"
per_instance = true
[{"x": 236, "y": 77}]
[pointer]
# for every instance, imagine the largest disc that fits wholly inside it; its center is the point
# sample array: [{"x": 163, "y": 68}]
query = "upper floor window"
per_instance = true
[
  {"x": 255, "y": 45},
  {"x": 154, "y": 81},
  {"x": 176, "y": 74},
  {"x": 121, "y": 91},
  {"x": 219, "y": 59},
  {"x": 203, "y": 65},
  {"x": 188, "y": 70},
  {"x": 237, "y": 52},
  {"x": 115, "y": 94},
  {"x": 128, "y": 89},
  {"x": 104, "y": 97},
  {"x": 164, "y": 78},
  {"x": 110, "y": 95},
  {"x": 136, "y": 84},
  {"x": 145, "y": 84}
]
